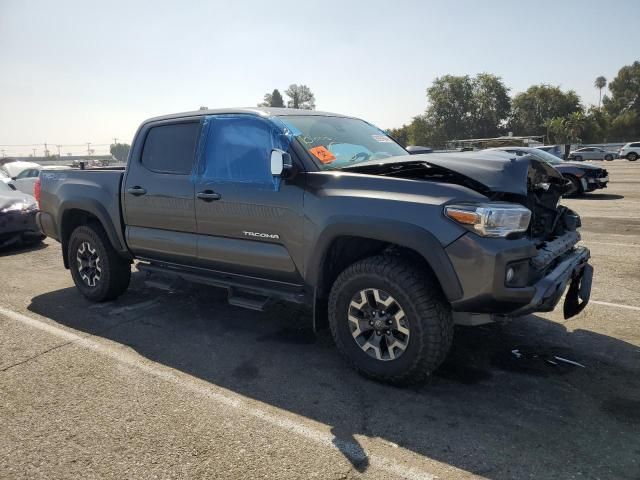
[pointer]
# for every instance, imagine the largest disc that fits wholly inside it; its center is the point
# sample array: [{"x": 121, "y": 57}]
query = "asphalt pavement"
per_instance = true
[{"x": 175, "y": 383}]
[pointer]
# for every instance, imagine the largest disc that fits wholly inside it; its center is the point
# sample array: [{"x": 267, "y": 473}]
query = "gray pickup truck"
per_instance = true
[{"x": 328, "y": 211}]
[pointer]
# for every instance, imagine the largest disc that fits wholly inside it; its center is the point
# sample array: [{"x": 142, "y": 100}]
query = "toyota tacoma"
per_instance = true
[{"x": 326, "y": 210}]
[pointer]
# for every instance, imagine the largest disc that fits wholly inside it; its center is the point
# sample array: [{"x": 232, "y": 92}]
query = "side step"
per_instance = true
[{"x": 247, "y": 300}]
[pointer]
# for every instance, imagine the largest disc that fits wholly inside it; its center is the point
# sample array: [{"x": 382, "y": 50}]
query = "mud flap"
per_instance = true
[{"x": 579, "y": 292}]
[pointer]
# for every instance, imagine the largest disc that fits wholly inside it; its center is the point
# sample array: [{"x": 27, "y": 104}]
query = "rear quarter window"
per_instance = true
[
  {"x": 171, "y": 148},
  {"x": 635, "y": 145}
]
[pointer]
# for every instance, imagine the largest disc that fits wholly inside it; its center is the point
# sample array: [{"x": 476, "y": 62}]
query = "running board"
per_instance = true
[
  {"x": 241, "y": 294},
  {"x": 247, "y": 300}
]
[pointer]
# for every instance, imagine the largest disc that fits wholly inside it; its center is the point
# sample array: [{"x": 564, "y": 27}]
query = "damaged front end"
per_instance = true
[
  {"x": 559, "y": 261},
  {"x": 521, "y": 252}
]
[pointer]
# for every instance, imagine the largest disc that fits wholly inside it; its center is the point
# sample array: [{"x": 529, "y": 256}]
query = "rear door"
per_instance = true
[
  {"x": 158, "y": 192},
  {"x": 250, "y": 223}
]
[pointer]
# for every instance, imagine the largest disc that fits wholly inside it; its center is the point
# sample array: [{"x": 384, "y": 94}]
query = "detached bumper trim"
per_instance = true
[{"x": 549, "y": 289}]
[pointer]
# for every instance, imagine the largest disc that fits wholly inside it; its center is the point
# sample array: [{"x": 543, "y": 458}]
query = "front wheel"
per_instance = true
[
  {"x": 632, "y": 156},
  {"x": 577, "y": 158},
  {"x": 96, "y": 268},
  {"x": 390, "y": 320},
  {"x": 608, "y": 158}
]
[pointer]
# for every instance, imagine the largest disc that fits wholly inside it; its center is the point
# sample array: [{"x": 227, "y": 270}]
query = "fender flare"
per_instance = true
[
  {"x": 95, "y": 208},
  {"x": 392, "y": 231}
]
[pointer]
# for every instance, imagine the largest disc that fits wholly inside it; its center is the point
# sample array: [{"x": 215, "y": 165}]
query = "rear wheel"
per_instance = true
[
  {"x": 390, "y": 320},
  {"x": 577, "y": 158},
  {"x": 97, "y": 270},
  {"x": 633, "y": 156}
]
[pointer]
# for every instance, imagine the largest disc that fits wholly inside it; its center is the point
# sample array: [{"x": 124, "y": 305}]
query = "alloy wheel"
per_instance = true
[
  {"x": 378, "y": 324},
  {"x": 88, "y": 264}
]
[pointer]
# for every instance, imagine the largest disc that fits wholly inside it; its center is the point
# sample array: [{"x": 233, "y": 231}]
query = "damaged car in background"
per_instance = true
[
  {"x": 326, "y": 210},
  {"x": 583, "y": 177},
  {"x": 17, "y": 217}
]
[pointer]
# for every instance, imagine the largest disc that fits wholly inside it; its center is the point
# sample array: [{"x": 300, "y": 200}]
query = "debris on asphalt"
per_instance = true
[
  {"x": 571, "y": 362},
  {"x": 547, "y": 358}
]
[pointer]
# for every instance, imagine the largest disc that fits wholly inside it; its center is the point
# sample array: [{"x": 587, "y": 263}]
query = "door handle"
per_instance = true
[
  {"x": 208, "y": 195},
  {"x": 137, "y": 191}
]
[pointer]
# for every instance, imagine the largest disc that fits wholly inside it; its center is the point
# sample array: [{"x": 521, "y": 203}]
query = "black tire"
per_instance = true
[
  {"x": 427, "y": 316},
  {"x": 576, "y": 187},
  {"x": 111, "y": 272},
  {"x": 577, "y": 158},
  {"x": 608, "y": 158},
  {"x": 632, "y": 156}
]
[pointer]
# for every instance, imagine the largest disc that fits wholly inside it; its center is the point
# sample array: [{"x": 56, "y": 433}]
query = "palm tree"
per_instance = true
[{"x": 600, "y": 83}]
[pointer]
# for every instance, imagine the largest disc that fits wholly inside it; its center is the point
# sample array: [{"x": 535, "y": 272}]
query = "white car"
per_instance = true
[
  {"x": 631, "y": 151},
  {"x": 27, "y": 178},
  {"x": 591, "y": 153},
  {"x": 13, "y": 169}
]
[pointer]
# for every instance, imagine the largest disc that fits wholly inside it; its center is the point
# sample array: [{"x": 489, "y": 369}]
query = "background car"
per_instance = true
[
  {"x": 17, "y": 217},
  {"x": 13, "y": 169},
  {"x": 27, "y": 178},
  {"x": 583, "y": 176},
  {"x": 630, "y": 151},
  {"x": 591, "y": 153}
]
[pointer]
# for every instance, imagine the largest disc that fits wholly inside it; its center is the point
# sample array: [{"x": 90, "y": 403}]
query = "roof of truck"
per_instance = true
[{"x": 260, "y": 111}]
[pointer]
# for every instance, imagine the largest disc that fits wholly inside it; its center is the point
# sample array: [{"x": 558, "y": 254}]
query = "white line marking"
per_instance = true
[
  {"x": 123, "y": 355},
  {"x": 628, "y": 307}
]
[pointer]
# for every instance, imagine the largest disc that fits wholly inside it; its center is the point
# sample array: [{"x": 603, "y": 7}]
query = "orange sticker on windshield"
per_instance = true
[{"x": 322, "y": 154}]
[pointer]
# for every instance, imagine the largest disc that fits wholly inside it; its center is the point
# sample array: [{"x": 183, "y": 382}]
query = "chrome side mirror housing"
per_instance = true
[{"x": 281, "y": 164}]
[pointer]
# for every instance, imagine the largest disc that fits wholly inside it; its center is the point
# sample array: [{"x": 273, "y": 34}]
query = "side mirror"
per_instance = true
[
  {"x": 417, "y": 150},
  {"x": 281, "y": 164},
  {"x": 14, "y": 178}
]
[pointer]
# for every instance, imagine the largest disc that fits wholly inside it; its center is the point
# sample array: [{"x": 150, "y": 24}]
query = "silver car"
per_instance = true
[{"x": 591, "y": 153}]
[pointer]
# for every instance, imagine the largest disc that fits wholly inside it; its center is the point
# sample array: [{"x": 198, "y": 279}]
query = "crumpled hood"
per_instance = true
[
  {"x": 9, "y": 198},
  {"x": 584, "y": 166},
  {"x": 496, "y": 170}
]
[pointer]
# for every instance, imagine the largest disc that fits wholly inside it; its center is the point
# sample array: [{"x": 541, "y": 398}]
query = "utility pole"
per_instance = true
[
  {"x": 58, "y": 150},
  {"x": 115, "y": 141},
  {"x": 89, "y": 149},
  {"x": 34, "y": 151},
  {"x": 46, "y": 150}
]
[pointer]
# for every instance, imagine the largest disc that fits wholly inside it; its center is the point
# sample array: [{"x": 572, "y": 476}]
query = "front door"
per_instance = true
[
  {"x": 158, "y": 193},
  {"x": 249, "y": 222}
]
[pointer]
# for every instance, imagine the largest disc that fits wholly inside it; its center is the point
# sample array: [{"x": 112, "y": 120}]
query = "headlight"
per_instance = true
[
  {"x": 20, "y": 207},
  {"x": 491, "y": 219}
]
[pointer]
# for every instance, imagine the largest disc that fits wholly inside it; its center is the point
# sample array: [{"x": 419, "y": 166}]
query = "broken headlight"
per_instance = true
[{"x": 491, "y": 219}]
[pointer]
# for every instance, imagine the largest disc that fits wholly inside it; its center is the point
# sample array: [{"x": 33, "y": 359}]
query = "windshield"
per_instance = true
[
  {"x": 545, "y": 156},
  {"x": 336, "y": 142}
]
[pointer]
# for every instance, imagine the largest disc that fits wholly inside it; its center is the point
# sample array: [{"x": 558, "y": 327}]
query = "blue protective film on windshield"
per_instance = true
[{"x": 237, "y": 148}]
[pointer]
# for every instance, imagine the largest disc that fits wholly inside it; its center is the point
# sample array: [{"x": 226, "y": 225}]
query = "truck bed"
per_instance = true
[{"x": 95, "y": 190}]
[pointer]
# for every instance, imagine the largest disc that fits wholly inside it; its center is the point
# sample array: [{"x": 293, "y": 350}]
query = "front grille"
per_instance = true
[{"x": 600, "y": 173}]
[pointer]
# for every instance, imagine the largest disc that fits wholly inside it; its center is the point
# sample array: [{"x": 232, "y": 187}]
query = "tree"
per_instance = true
[
  {"x": 300, "y": 96},
  {"x": 120, "y": 151},
  {"x": 600, "y": 83},
  {"x": 273, "y": 99},
  {"x": 491, "y": 105},
  {"x": 624, "y": 104},
  {"x": 466, "y": 107},
  {"x": 451, "y": 105},
  {"x": 538, "y": 104}
]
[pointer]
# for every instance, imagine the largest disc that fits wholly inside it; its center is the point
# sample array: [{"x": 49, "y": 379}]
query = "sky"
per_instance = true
[{"x": 80, "y": 71}]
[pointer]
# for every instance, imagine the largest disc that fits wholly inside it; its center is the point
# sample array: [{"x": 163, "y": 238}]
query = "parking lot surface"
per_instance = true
[{"x": 175, "y": 383}]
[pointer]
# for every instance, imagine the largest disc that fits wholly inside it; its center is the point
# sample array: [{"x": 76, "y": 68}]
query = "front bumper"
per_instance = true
[
  {"x": 591, "y": 184},
  {"x": 17, "y": 225},
  {"x": 481, "y": 265}
]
